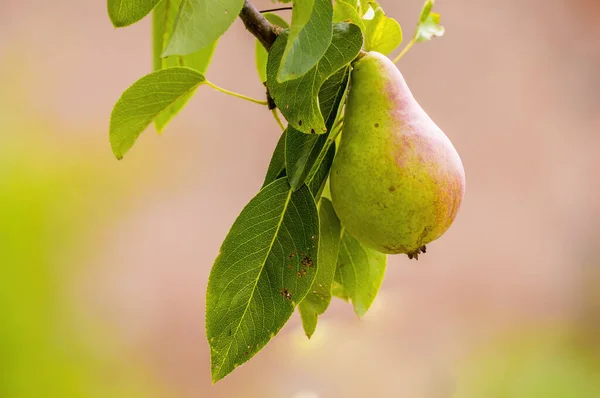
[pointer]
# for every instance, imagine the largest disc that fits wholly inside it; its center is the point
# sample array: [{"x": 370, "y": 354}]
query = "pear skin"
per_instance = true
[{"x": 397, "y": 182}]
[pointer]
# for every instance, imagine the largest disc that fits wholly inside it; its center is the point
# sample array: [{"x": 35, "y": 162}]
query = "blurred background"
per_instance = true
[{"x": 104, "y": 264}]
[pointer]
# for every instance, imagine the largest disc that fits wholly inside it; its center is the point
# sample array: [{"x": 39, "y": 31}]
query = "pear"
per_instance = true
[{"x": 397, "y": 182}]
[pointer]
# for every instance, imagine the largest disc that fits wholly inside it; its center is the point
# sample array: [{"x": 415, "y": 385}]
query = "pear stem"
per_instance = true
[
  {"x": 277, "y": 118},
  {"x": 234, "y": 94},
  {"x": 405, "y": 50}
]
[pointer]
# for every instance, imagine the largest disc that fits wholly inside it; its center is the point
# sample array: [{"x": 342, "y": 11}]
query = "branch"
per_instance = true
[{"x": 256, "y": 24}]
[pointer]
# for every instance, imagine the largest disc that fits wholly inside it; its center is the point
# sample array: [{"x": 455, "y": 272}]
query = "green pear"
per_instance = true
[{"x": 396, "y": 182}]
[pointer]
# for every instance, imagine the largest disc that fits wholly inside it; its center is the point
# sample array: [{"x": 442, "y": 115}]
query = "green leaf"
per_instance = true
[
  {"x": 382, "y": 34},
  {"x": 276, "y": 20},
  {"x": 429, "y": 23},
  {"x": 141, "y": 103},
  {"x": 303, "y": 150},
  {"x": 163, "y": 21},
  {"x": 200, "y": 23},
  {"x": 426, "y": 10},
  {"x": 359, "y": 273},
  {"x": 317, "y": 300},
  {"x": 126, "y": 12},
  {"x": 430, "y": 28},
  {"x": 298, "y": 100},
  {"x": 266, "y": 266},
  {"x": 277, "y": 165},
  {"x": 318, "y": 175},
  {"x": 262, "y": 54},
  {"x": 309, "y": 38},
  {"x": 345, "y": 11},
  {"x": 198, "y": 61}
]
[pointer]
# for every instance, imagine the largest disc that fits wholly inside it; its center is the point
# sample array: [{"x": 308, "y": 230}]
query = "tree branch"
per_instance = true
[{"x": 256, "y": 24}]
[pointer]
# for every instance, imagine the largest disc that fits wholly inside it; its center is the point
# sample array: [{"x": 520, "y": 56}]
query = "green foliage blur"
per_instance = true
[{"x": 50, "y": 202}]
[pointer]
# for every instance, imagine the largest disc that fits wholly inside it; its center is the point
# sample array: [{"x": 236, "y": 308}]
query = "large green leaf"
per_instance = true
[
  {"x": 261, "y": 53},
  {"x": 309, "y": 38},
  {"x": 200, "y": 23},
  {"x": 298, "y": 100},
  {"x": 359, "y": 273},
  {"x": 302, "y": 150},
  {"x": 382, "y": 34},
  {"x": 141, "y": 103},
  {"x": 266, "y": 266},
  {"x": 126, "y": 12},
  {"x": 317, "y": 300}
]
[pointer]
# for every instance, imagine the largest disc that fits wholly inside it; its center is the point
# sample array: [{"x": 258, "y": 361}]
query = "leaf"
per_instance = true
[
  {"x": 426, "y": 10},
  {"x": 345, "y": 11},
  {"x": 163, "y": 22},
  {"x": 277, "y": 165},
  {"x": 430, "y": 28},
  {"x": 429, "y": 23},
  {"x": 318, "y": 175},
  {"x": 359, "y": 273},
  {"x": 317, "y": 300},
  {"x": 141, "y": 103},
  {"x": 276, "y": 19},
  {"x": 266, "y": 266},
  {"x": 298, "y": 100},
  {"x": 126, "y": 12},
  {"x": 303, "y": 150},
  {"x": 262, "y": 54},
  {"x": 309, "y": 38},
  {"x": 198, "y": 61},
  {"x": 382, "y": 34},
  {"x": 201, "y": 22}
]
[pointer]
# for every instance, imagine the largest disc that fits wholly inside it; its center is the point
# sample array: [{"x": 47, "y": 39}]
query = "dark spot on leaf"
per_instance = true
[
  {"x": 285, "y": 293},
  {"x": 312, "y": 131},
  {"x": 392, "y": 189},
  {"x": 307, "y": 262},
  {"x": 376, "y": 125},
  {"x": 292, "y": 254},
  {"x": 299, "y": 122}
]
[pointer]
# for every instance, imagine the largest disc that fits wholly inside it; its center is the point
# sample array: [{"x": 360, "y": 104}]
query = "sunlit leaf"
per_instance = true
[
  {"x": 429, "y": 23},
  {"x": 200, "y": 23},
  {"x": 308, "y": 39},
  {"x": 359, "y": 273},
  {"x": 382, "y": 34},
  {"x": 163, "y": 22},
  {"x": 126, "y": 12},
  {"x": 141, "y": 103}
]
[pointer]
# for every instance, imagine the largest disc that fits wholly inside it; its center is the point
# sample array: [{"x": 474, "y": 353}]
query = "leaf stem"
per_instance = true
[
  {"x": 277, "y": 118},
  {"x": 234, "y": 94},
  {"x": 405, "y": 50}
]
